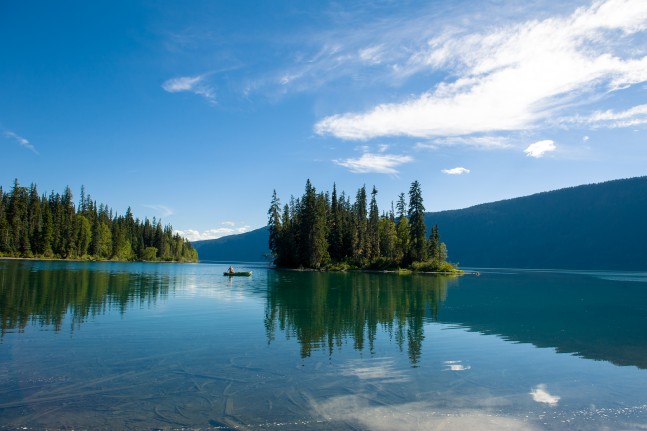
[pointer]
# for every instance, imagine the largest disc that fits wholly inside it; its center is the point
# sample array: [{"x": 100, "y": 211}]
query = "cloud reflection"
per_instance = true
[
  {"x": 456, "y": 366},
  {"x": 377, "y": 369},
  {"x": 541, "y": 395},
  {"x": 415, "y": 416}
]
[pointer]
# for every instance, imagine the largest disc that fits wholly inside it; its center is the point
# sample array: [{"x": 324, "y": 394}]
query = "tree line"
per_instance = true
[
  {"x": 323, "y": 230},
  {"x": 34, "y": 225}
]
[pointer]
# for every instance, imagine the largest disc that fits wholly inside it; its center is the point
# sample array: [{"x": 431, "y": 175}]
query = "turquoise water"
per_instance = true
[{"x": 174, "y": 346}]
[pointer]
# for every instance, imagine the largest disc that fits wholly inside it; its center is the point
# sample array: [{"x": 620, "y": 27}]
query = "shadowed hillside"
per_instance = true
[
  {"x": 596, "y": 226},
  {"x": 247, "y": 247}
]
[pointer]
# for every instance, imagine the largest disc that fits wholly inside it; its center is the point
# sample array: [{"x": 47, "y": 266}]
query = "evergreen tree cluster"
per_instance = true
[
  {"x": 323, "y": 230},
  {"x": 33, "y": 225}
]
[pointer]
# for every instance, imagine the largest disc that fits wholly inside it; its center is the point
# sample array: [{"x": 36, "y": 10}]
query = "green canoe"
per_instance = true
[{"x": 238, "y": 274}]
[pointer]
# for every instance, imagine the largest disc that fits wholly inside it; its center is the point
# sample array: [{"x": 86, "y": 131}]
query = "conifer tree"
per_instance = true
[
  {"x": 4, "y": 224},
  {"x": 47, "y": 231},
  {"x": 418, "y": 248},
  {"x": 360, "y": 252},
  {"x": 373, "y": 228},
  {"x": 403, "y": 230},
  {"x": 320, "y": 255},
  {"x": 274, "y": 225},
  {"x": 434, "y": 243},
  {"x": 18, "y": 221},
  {"x": 335, "y": 227},
  {"x": 34, "y": 219},
  {"x": 388, "y": 237}
]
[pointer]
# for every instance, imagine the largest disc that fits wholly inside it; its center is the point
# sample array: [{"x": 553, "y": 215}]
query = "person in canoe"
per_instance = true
[{"x": 231, "y": 270}]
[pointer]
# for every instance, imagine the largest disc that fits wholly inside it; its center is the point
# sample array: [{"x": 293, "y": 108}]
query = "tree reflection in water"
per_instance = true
[
  {"x": 323, "y": 310},
  {"x": 45, "y": 297}
]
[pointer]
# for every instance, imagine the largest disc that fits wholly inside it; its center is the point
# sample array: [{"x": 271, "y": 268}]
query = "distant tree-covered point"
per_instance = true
[
  {"x": 327, "y": 231},
  {"x": 40, "y": 226}
]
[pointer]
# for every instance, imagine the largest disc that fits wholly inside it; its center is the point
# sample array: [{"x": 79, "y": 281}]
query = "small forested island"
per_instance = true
[
  {"x": 35, "y": 226},
  {"x": 328, "y": 232}
]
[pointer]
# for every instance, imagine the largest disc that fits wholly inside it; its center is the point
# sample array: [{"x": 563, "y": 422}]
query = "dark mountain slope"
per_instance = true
[
  {"x": 247, "y": 247},
  {"x": 596, "y": 226}
]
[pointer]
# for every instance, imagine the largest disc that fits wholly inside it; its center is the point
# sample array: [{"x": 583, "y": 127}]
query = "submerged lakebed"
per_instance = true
[{"x": 179, "y": 346}]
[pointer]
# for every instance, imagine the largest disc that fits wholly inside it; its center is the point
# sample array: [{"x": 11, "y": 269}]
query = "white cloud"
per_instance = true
[
  {"x": 22, "y": 141},
  {"x": 511, "y": 78},
  {"x": 376, "y": 163},
  {"x": 456, "y": 171},
  {"x": 540, "y": 394},
  {"x": 230, "y": 229},
  {"x": 193, "y": 84},
  {"x": 538, "y": 149}
]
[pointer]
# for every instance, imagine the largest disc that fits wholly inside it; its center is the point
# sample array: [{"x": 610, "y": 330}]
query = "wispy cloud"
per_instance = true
[
  {"x": 161, "y": 210},
  {"x": 631, "y": 117},
  {"x": 511, "y": 78},
  {"x": 456, "y": 171},
  {"x": 193, "y": 84},
  {"x": 540, "y": 148},
  {"x": 374, "y": 163},
  {"x": 229, "y": 228},
  {"x": 482, "y": 142},
  {"x": 22, "y": 141}
]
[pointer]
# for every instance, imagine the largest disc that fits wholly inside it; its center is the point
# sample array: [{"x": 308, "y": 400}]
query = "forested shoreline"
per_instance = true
[
  {"x": 320, "y": 230},
  {"x": 52, "y": 226}
]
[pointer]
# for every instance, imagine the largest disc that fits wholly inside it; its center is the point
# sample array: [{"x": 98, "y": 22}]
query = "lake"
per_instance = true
[{"x": 179, "y": 346}]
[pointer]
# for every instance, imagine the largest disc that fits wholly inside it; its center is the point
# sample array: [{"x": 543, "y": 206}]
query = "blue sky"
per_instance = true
[{"x": 195, "y": 111}]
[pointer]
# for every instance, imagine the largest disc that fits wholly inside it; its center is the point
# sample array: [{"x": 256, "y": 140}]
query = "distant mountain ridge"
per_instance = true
[
  {"x": 245, "y": 247},
  {"x": 595, "y": 226}
]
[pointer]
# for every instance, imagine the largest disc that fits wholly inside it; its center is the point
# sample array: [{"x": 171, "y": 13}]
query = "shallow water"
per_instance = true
[{"x": 174, "y": 346}]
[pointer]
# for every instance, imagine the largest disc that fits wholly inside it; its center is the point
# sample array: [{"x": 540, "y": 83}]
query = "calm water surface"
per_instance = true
[{"x": 173, "y": 346}]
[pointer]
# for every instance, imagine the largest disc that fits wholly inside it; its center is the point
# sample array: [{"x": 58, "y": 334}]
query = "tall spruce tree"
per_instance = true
[
  {"x": 418, "y": 248},
  {"x": 373, "y": 228},
  {"x": 274, "y": 225},
  {"x": 4, "y": 224},
  {"x": 434, "y": 243},
  {"x": 360, "y": 253},
  {"x": 335, "y": 227},
  {"x": 403, "y": 231}
]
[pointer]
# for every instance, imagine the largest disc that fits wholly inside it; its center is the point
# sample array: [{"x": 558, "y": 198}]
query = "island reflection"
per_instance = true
[
  {"x": 597, "y": 316},
  {"x": 324, "y": 310}
]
